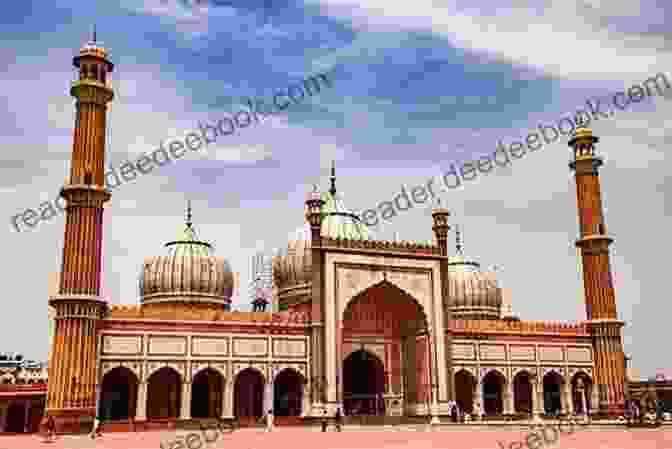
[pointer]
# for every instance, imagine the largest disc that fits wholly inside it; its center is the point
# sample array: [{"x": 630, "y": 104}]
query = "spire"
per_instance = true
[
  {"x": 458, "y": 239},
  {"x": 189, "y": 222},
  {"x": 332, "y": 190}
]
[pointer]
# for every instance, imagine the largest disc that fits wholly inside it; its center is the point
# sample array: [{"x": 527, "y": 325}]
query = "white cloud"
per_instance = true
[{"x": 565, "y": 41}]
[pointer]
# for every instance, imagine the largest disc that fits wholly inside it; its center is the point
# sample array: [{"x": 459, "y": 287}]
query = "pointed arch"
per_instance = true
[{"x": 118, "y": 394}]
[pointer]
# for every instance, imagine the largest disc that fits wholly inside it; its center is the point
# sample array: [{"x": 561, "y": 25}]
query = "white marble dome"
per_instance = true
[
  {"x": 472, "y": 293},
  {"x": 189, "y": 273}
]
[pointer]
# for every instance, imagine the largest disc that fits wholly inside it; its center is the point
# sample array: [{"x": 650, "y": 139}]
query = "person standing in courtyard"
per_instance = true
[
  {"x": 338, "y": 419},
  {"x": 269, "y": 421},
  {"x": 324, "y": 421},
  {"x": 51, "y": 429}
]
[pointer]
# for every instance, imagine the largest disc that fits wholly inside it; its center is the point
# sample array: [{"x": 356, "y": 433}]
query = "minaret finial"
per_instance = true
[
  {"x": 332, "y": 190},
  {"x": 458, "y": 239},
  {"x": 189, "y": 222}
]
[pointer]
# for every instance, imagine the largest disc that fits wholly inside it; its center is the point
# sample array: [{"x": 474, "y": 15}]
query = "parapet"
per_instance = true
[
  {"x": 501, "y": 327},
  {"x": 382, "y": 245},
  {"x": 186, "y": 312}
]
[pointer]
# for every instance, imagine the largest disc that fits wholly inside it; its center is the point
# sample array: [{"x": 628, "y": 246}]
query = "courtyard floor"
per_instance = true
[{"x": 417, "y": 437}]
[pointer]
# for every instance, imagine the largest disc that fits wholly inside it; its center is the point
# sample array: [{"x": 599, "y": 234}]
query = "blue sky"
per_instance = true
[{"x": 416, "y": 85}]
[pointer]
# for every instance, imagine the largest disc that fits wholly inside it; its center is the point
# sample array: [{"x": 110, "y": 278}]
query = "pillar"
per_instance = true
[
  {"x": 537, "y": 397},
  {"x": 509, "y": 408},
  {"x": 478, "y": 398},
  {"x": 227, "y": 406},
  {"x": 268, "y": 397},
  {"x": 26, "y": 416},
  {"x": 603, "y": 323},
  {"x": 185, "y": 412},
  {"x": 314, "y": 204},
  {"x": 141, "y": 404},
  {"x": 4, "y": 408},
  {"x": 594, "y": 396},
  {"x": 78, "y": 305},
  {"x": 305, "y": 401},
  {"x": 440, "y": 227},
  {"x": 568, "y": 403}
]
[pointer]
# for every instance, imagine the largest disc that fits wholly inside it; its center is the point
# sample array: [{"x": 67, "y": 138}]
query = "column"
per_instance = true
[
  {"x": 4, "y": 408},
  {"x": 26, "y": 416},
  {"x": 594, "y": 398},
  {"x": 537, "y": 398},
  {"x": 568, "y": 404},
  {"x": 141, "y": 404},
  {"x": 305, "y": 401},
  {"x": 508, "y": 399},
  {"x": 227, "y": 399},
  {"x": 478, "y": 399},
  {"x": 268, "y": 397},
  {"x": 185, "y": 413}
]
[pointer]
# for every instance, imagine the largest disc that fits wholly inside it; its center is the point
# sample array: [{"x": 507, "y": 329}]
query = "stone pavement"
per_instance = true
[{"x": 417, "y": 437}]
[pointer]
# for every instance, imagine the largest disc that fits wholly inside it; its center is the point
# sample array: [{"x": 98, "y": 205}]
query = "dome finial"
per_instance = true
[
  {"x": 94, "y": 34},
  {"x": 458, "y": 239},
  {"x": 332, "y": 190},
  {"x": 189, "y": 222}
]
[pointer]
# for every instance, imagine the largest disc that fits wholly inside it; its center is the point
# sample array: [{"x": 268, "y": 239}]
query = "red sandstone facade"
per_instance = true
[{"x": 370, "y": 327}]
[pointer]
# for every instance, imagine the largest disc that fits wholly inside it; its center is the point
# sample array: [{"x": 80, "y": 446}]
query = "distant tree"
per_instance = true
[{"x": 18, "y": 357}]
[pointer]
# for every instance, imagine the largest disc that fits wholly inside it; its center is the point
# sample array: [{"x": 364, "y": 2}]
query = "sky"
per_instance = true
[{"x": 415, "y": 86}]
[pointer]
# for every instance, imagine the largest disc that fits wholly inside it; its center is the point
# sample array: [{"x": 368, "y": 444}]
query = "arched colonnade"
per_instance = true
[
  {"x": 165, "y": 395},
  {"x": 524, "y": 393}
]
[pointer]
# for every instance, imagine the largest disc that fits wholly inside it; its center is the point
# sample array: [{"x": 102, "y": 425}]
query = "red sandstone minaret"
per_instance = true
[
  {"x": 605, "y": 327},
  {"x": 73, "y": 366}
]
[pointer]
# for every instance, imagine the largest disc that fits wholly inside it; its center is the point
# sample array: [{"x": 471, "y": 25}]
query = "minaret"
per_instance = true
[
  {"x": 73, "y": 366},
  {"x": 441, "y": 227},
  {"x": 603, "y": 322}
]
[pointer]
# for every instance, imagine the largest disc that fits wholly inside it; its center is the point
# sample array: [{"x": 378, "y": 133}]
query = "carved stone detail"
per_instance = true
[
  {"x": 521, "y": 353},
  {"x": 587, "y": 371},
  {"x": 492, "y": 351},
  {"x": 210, "y": 346},
  {"x": 168, "y": 345},
  {"x": 579, "y": 355},
  {"x": 551, "y": 353},
  {"x": 122, "y": 344},
  {"x": 259, "y": 366},
  {"x": 558, "y": 370},
  {"x": 300, "y": 368},
  {"x": 484, "y": 372},
  {"x": 179, "y": 367},
  {"x": 465, "y": 351},
  {"x": 220, "y": 367},
  {"x": 531, "y": 370},
  {"x": 257, "y": 346},
  {"x": 135, "y": 367},
  {"x": 470, "y": 369},
  {"x": 284, "y": 347},
  {"x": 352, "y": 281}
]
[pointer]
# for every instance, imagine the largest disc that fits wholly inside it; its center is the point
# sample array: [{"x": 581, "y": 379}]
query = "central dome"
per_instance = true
[
  {"x": 292, "y": 268},
  {"x": 189, "y": 273}
]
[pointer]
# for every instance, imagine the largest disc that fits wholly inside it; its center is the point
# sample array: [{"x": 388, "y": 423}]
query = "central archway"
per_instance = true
[
  {"x": 363, "y": 384},
  {"x": 389, "y": 315}
]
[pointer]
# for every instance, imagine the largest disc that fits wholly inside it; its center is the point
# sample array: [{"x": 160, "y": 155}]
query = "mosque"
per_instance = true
[{"x": 385, "y": 328}]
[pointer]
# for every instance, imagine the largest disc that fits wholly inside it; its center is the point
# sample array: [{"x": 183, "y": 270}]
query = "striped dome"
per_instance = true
[{"x": 189, "y": 273}]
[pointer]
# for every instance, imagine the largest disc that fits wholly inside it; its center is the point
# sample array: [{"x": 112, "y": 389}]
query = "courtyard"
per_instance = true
[{"x": 418, "y": 437}]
